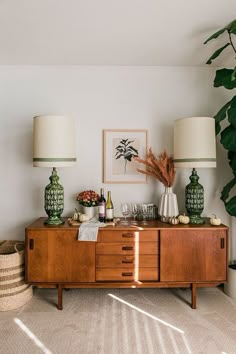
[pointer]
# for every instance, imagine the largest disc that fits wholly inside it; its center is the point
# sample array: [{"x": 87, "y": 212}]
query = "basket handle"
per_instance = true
[{"x": 18, "y": 243}]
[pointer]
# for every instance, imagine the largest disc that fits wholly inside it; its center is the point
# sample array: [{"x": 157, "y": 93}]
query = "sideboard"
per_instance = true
[{"x": 144, "y": 256}]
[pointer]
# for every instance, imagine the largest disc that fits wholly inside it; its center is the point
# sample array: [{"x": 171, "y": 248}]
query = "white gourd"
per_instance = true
[
  {"x": 184, "y": 219},
  {"x": 75, "y": 215},
  {"x": 215, "y": 220},
  {"x": 174, "y": 220},
  {"x": 83, "y": 217}
]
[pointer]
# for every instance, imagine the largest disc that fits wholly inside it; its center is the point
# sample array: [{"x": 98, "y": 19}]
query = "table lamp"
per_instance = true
[
  {"x": 195, "y": 147},
  {"x": 54, "y": 146}
]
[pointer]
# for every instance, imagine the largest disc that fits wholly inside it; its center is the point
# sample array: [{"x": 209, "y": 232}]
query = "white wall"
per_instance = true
[{"x": 99, "y": 98}]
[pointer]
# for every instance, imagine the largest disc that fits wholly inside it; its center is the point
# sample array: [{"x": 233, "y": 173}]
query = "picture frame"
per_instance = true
[{"x": 119, "y": 148}]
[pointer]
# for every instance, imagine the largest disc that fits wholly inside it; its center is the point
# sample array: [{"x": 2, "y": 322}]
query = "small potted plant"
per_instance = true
[{"x": 88, "y": 201}]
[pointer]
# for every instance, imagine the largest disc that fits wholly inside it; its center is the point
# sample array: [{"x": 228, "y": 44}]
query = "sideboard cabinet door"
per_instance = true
[
  {"x": 193, "y": 255},
  {"x": 57, "y": 256}
]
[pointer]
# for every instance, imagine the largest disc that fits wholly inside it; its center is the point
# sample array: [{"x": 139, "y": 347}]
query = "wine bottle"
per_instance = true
[
  {"x": 102, "y": 207},
  {"x": 109, "y": 208}
]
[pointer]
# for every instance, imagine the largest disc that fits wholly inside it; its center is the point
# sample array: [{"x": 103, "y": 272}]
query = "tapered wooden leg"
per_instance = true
[
  {"x": 59, "y": 291},
  {"x": 194, "y": 295}
]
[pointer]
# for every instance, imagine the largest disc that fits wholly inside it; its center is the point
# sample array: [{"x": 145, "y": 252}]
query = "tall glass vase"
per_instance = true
[{"x": 168, "y": 205}]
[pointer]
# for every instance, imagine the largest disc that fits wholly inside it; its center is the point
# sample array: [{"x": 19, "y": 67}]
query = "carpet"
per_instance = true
[{"x": 121, "y": 321}]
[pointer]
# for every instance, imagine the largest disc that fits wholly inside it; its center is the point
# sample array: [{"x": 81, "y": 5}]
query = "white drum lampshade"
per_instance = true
[
  {"x": 194, "y": 147},
  {"x": 54, "y": 146},
  {"x": 54, "y": 141}
]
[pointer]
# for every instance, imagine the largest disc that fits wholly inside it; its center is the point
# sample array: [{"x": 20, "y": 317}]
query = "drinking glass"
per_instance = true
[
  {"x": 134, "y": 212},
  {"x": 144, "y": 208},
  {"x": 125, "y": 211}
]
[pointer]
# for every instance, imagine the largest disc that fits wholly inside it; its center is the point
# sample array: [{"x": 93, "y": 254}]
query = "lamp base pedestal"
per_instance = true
[
  {"x": 54, "y": 221},
  {"x": 196, "y": 219}
]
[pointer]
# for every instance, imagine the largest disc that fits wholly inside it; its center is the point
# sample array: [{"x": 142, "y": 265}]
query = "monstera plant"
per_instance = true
[{"x": 227, "y": 78}]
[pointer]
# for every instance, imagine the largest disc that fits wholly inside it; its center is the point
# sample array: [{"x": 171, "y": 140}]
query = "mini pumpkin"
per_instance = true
[
  {"x": 173, "y": 220},
  {"x": 75, "y": 215},
  {"x": 214, "y": 220},
  {"x": 83, "y": 217},
  {"x": 164, "y": 218},
  {"x": 184, "y": 219}
]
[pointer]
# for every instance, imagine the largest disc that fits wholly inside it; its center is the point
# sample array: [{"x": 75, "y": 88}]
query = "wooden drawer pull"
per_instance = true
[
  {"x": 127, "y": 248},
  {"x": 127, "y": 261},
  {"x": 222, "y": 243},
  {"x": 127, "y": 274},
  {"x": 31, "y": 244},
  {"x": 128, "y": 235}
]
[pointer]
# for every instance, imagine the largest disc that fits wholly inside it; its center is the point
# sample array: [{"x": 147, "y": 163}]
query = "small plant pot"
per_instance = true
[
  {"x": 230, "y": 286},
  {"x": 90, "y": 211}
]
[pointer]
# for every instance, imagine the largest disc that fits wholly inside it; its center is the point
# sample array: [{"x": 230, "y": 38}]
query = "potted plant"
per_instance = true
[
  {"x": 88, "y": 201},
  {"x": 226, "y": 78}
]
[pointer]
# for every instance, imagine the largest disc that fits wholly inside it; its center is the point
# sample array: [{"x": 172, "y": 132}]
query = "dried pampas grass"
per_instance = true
[{"x": 161, "y": 168}]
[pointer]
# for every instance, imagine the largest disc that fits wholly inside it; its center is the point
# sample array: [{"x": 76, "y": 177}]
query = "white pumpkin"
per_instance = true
[
  {"x": 76, "y": 214},
  {"x": 164, "y": 218},
  {"x": 215, "y": 220},
  {"x": 174, "y": 220},
  {"x": 184, "y": 219},
  {"x": 83, "y": 217}
]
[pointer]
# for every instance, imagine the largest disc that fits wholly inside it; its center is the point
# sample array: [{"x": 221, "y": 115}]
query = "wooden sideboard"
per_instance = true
[{"x": 143, "y": 256}]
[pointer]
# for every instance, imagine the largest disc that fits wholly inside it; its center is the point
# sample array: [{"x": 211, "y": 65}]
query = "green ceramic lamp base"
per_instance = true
[
  {"x": 194, "y": 199},
  {"x": 54, "y": 200}
]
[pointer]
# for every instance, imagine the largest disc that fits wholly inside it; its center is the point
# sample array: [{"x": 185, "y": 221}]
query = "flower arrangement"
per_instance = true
[
  {"x": 161, "y": 167},
  {"x": 88, "y": 198}
]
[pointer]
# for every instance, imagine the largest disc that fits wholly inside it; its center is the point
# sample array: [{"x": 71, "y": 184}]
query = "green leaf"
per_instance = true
[
  {"x": 231, "y": 206},
  {"x": 232, "y": 116},
  {"x": 231, "y": 27},
  {"x": 217, "y": 53},
  {"x": 232, "y": 159},
  {"x": 133, "y": 149},
  {"x": 119, "y": 156},
  {"x": 228, "y": 138},
  {"x": 217, "y": 128},
  {"x": 128, "y": 156},
  {"x": 224, "y": 78},
  {"x": 233, "y": 102},
  {"x": 215, "y": 35},
  {"x": 221, "y": 114},
  {"x": 233, "y": 76},
  {"x": 226, "y": 190}
]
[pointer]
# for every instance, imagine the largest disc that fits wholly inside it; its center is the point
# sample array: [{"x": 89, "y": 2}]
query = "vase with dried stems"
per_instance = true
[{"x": 162, "y": 168}]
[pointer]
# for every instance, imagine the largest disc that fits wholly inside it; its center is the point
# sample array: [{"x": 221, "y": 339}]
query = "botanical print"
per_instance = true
[
  {"x": 120, "y": 148},
  {"x": 125, "y": 150}
]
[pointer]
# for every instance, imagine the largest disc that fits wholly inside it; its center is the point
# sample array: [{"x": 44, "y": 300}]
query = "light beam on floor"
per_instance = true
[
  {"x": 147, "y": 314},
  {"x": 32, "y": 336}
]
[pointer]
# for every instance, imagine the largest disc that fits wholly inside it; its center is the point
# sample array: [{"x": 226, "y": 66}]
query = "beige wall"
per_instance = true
[{"x": 99, "y": 98}]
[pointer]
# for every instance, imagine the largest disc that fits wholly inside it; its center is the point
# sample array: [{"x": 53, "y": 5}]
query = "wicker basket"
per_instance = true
[{"x": 14, "y": 292}]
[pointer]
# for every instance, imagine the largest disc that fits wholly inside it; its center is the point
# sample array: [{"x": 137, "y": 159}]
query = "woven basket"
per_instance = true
[{"x": 14, "y": 292}]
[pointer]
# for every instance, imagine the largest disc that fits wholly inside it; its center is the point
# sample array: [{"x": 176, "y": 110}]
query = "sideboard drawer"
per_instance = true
[
  {"x": 116, "y": 261},
  {"x": 127, "y": 274},
  {"x": 130, "y": 248},
  {"x": 127, "y": 235}
]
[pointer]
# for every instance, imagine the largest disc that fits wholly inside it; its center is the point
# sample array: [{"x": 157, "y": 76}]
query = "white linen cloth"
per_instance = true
[{"x": 88, "y": 230}]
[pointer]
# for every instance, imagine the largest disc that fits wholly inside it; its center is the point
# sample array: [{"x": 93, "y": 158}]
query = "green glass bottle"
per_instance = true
[
  {"x": 109, "y": 208},
  {"x": 102, "y": 207}
]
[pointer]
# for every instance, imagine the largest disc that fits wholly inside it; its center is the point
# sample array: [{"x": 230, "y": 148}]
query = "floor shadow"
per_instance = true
[{"x": 182, "y": 297}]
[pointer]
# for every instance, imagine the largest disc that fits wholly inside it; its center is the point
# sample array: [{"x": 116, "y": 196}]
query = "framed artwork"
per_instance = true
[{"x": 119, "y": 148}]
